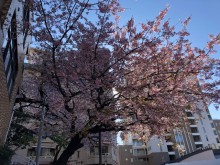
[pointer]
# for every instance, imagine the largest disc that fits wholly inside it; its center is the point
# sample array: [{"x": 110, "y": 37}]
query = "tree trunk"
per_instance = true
[{"x": 75, "y": 144}]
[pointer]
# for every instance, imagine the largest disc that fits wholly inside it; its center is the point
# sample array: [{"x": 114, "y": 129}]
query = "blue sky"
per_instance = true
[{"x": 205, "y": 19}]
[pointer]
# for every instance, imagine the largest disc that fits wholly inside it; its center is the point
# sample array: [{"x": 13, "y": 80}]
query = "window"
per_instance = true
[
  {"x": 136, "y": 142},
  {"x": 194, "y": 130},
  {"x": 78, "y": 154},
  {"x": 197, "y": 138},
  {"x": 140, "y": 159},
  {"x": 10, "y": 55},
  {"x": 201, "y": 121},
  {"x": 209, "y": 116},
  {"x": 104, "y": 149},
  {"x": 139, "y": 151},
  {"x": 43, "y": 152},
  {"x": 215, "y": 133},
  {"x": 31, "y": 152},
  {"x": 189, "y": 114},
  {"x": 199, "y": 146},
  {"x": 204, "y": 130},
  {"x": 207, "y": 139},
  {"x": 172, "y": 157},
  {"x": 168, "y": 139},
  {"x": 26, "y": 20},
  {"x": 170, "y": 148},
  {"x": 217, "y": 140},
  {"x": 212, "y": 125},
  {"x": 192, "y": 121},
  {"x": 95, "y": 150},
  {"x": 132, "y": 160}
]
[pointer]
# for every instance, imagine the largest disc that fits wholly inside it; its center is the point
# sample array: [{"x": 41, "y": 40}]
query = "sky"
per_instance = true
[{"x": 205, "y": 19}]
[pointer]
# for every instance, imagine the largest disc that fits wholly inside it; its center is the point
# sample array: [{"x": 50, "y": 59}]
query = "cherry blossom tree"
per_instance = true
[{"x": 91, "y": 74}]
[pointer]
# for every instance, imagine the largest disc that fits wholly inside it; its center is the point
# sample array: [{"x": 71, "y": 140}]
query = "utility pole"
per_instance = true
[
  {"x": 100, "y": 148},
  {"x": 40, "y": 133}
]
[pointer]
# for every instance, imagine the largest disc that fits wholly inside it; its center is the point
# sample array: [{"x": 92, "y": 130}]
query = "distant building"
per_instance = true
[
  {"x": 217, "y": 126},
  {"x": 14, "y": 41},
  {"x": 198, "y": 132},
  {"x": 205, "y": 156},
  {"x": 87, "y": 155},
  {"x": 130, "y": 155},
  {"x": 90, "y": 155}
]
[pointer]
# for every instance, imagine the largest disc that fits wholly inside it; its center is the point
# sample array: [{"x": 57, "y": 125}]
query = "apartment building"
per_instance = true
[
  {"x": 199, "y": 131},
  {"x": 132, "y": 154},
  {"x": 14, "y": 41},
  {"x": 217, "y": 127},
  {"x": 87, "y": 155}
]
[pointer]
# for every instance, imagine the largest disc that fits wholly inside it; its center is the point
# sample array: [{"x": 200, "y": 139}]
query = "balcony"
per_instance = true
[
  {"x": 171, "y": 153},
  {"x": 169, "y": 143},
  {"x": 140, "y": 152},
  {"x": 170, "y": 148},
  {"x": 168, "y": 139},
  {"x": 194, "y": 131},
  {"x": 137, "y": 143},
  {"x": 197, "y": 139},
  {"x": 195, "y": 134},
  {"x": 193, "y": 125},
  {"x": 198, "y": 142},
  {"x": 189, "y": 114},
  {"x": 192, "y": 122}
]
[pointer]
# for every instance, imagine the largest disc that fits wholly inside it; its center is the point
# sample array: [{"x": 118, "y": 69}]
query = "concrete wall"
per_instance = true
[
  {"x": 158, "y": 158},
  {"x": 127, "y": 156}
]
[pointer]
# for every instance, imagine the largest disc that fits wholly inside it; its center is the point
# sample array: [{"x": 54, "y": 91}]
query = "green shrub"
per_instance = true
[{"x": 5, "y": 155}]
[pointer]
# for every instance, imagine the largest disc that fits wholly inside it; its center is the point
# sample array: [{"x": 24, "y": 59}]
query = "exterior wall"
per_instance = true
[
  {"x": 85, "y": 157},
  {"x": 158, "y": 158},
  {"x": 197, "y": 132},
  {"x": 156, "y": 144},
  {"x": 127, "y": 156},
  {"x": 89, "y": 155},
  {"x": 207, "y": 130},
  {"x": 29, "y": 153},
  {"x": 207, "y": 155},
  {"x": 217, "y": 126},
  {"x": 82, "y": 156},
  {"x": 8, "y": 7}
]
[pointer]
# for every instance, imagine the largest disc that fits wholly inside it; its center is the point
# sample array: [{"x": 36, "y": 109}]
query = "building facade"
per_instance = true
[
  {"x": 14, "y": 41},
  {"x": 132, "y": 154},
  {"x": 199, "y": 131},
  {"x": 88, "y": 155},
  {"x": 217, "y": 127}
]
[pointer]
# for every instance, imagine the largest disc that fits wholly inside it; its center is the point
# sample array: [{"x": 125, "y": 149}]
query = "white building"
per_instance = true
[{"x": 198, "y": 132}]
